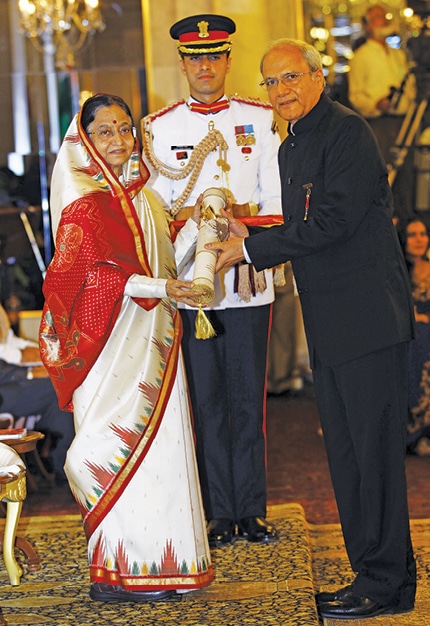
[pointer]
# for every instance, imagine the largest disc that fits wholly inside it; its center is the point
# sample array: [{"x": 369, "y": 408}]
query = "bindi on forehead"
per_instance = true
[{"x": 114, "y": 122}]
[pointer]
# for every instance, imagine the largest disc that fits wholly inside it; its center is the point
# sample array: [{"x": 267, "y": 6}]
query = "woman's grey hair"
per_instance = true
[{"x": 308, "y": 52}]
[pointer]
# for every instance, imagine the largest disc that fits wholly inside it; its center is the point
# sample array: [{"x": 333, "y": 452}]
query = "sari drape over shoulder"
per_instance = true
[{"x": 116, "y": 361}]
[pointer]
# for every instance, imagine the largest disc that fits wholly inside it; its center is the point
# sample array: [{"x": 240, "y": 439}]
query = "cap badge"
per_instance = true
[{"x": 203, "y": 30}]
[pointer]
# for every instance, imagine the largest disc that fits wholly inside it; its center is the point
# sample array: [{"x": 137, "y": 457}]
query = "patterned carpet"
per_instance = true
[
  {"x": 331, "y": 570},
  {"x": 264, "y": 585}
]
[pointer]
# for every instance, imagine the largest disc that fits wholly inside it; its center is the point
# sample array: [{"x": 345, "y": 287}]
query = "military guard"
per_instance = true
[{"x": 231, "y": 143}]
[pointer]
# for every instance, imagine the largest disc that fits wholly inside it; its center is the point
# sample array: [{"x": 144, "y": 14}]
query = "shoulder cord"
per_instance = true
[{"x": 214, "y": 139}]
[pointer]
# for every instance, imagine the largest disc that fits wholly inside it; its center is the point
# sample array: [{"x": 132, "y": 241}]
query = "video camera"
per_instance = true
[{"x": 420, "y": 46}]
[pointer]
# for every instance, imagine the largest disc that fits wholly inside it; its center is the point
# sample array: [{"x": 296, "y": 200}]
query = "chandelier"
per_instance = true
[{"x": 61, "y": 24}]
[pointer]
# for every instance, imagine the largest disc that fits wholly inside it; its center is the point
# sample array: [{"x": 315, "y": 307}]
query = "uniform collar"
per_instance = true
[{"x": 205, "y": 109}]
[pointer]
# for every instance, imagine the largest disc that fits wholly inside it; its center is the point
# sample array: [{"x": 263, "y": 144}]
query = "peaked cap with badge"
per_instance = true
[{"x": 203, "y": 34}]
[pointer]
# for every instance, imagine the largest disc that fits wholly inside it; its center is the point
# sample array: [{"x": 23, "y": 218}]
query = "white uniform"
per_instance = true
[
  {"x": 226, "y": 373},
  {"x": 247, "y": 126}
]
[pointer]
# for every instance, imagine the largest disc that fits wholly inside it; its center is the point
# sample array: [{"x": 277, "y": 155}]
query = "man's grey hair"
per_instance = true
[{"x": 308, "y": 52}]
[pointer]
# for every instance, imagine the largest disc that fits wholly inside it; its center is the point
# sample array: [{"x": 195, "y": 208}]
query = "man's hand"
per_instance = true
[
  {"x": 383, "y": 104},
  {"x": 30, "y": 354},
  {"x": 235, "y": 226},
  {"x": 230, "y": 252},
  {"x": 39, "y": 371}
]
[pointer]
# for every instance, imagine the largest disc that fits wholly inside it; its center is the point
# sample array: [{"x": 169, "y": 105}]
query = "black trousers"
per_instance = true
[
  {"x": 363, "y": 411},
  {"x": 36, "y": 397},
  {"x": 226, "y": 377}
]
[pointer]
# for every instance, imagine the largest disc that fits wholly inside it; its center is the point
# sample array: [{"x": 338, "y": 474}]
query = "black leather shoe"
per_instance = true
[
  {"x": 354, "y": 606},
  {"x": 220, "y": 532},
  {"x": 256, "y": 530},
  {"x": 333, "y": 596},
  {"x": 110, "y": 593}
]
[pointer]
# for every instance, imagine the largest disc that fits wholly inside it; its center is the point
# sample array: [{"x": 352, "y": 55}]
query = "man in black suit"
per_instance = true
[{"x": 358, "y": 317}]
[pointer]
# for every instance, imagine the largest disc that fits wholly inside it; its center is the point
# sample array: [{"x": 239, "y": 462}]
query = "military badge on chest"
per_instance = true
[
  {"x": 245, "y": 138},
  {"x": 182, "y": 153}
]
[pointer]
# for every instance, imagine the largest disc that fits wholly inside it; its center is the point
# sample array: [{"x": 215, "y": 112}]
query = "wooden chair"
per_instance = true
[
  {"x": 13, "y": 492},
  {"x": 8, "y": 420}
]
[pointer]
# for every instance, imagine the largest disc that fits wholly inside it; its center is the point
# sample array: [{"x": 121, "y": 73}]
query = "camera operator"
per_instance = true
[{"x": 381, "y": 88}]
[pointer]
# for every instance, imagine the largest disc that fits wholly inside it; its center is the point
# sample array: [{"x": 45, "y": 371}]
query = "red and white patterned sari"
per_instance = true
[{"x": 116, "y": 362}]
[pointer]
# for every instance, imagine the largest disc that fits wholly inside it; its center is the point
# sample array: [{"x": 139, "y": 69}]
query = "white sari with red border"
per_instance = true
[{"x": 131, "y": 466}]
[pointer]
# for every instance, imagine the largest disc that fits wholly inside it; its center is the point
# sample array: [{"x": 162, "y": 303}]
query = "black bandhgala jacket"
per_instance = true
[{"x": 349, "y": 269}]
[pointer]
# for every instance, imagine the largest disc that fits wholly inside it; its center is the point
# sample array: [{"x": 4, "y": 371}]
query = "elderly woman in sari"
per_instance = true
[{"x": 110, "y": 339}]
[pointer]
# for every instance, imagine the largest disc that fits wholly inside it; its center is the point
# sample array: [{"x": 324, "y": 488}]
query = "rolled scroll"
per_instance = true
[{"x": 213, "y": 227}]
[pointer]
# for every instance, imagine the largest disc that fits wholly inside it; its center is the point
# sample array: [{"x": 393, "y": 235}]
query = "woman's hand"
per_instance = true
[
  {"x": 181, "y": 291},
  {"x": 197, "y": 209}
]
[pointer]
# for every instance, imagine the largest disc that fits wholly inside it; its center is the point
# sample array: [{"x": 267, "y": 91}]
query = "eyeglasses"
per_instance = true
[
  {"x": 105, "y": 133},
  {"x": 289, "y": 79}
]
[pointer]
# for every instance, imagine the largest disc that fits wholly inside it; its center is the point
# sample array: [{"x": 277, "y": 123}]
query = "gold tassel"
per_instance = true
[
  {"x": 279, "y": 276},
  {"x": 204, "y": 329}
]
